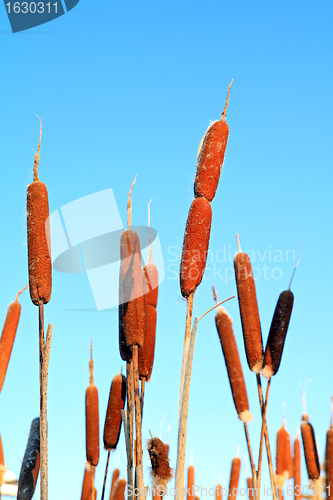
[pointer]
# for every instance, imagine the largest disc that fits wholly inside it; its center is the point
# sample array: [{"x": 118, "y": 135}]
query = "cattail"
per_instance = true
[
  {"x": 195, "y": 245},
  {"x": 218, "y": 492},
  {"x": 277, "y": 334},
  {"x": 119, "y": 490},
  {"x": 116, "y": 403},
  {"x": 283, "y": 456},
  {"x": 8, "y": 336},
  {"x": 297, "y": 467},
  {"x": 329, "y": 458},
  {"x": 92, "y": 418},
  {"x": 30, "y": 464},
  {"x": 190, "y": 482},
  {"x": 89, "y": 471},
  {"x": 234, "y": 478},
  {"x": 160, "y": 469},
  {"x": 115, "y": 476},
  {"x": 39, "y": 258},
  {"x": 233, "y": 364},
  {"x": 310, "y": 449},
  {"x": 250, "y": 488},
  {"x": 249, "y": 312},
  {"x": 146, "y": 353}
]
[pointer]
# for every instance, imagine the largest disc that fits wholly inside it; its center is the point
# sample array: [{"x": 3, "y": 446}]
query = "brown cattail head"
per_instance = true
[
  {"x": 210, "y": 157},
  {"x": 30, "y": 464},
  {"x": 115, "y": 476},
  {"x": 116, "y": 403},
  {"x": 297, "y": 466},
  {"x": 218, "y": 492},
  {"x": 249, "y": 312},
  {"x": 92, "y": 419},
  {"x": 250, "y": 488},
  {"x": 283, "y": 456},
  {"x": 38, "y": 230},
  {"x": 195, "y": 245},
  {"x": 190, "y": 482},
  {"x": 234, "y": 478},
  {"x": 310, "y": 450},
  {"x": 147, "y": 352},
  {"x": 233, "y": 364},
  {"x": 3, "y": 468},
  {"x": 160, "y": 469},
  {"x": 277, "y": 334},
  {"x": 89, "y": 471},
  {"x": 8, "y": 336},
  {"x": 329, "y": 463},
  {"x": 119, "y": 490},
  {"x": 131, "y": 302}
]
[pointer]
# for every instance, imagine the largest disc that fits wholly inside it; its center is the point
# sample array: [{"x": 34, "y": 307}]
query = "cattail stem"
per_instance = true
[
  {"x": 105, "y": 474},
  {"x": 253, "y": 469},
  {"x": 138, "y": 424},
  {"x": 187, "y": 338},
  {"x": 181, "y": 444},
  {"x": 92, "y": 483},
  {"x": 128, "y": 442},
  {"x": 264, "y": 432},
  {"x": 129, "y": 425},
  {"x": 142, "y": 397},
  {"x": 44, "y": 368}
]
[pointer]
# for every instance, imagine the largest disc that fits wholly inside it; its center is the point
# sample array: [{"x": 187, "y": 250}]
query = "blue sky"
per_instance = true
[{"x": 126, "y": 88}]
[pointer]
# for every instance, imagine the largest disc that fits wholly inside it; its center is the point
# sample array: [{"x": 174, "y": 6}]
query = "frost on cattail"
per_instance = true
[
  {"x": 310, "y": 449},
  {"x": 233, "y": 364},
  {"x": 160, "y": 468},
  {"x": 234, "y": 478},
  {"x": 249, "y": 312}
]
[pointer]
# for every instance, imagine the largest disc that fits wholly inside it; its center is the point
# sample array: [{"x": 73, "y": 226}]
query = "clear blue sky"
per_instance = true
[{"x": 130, "y": 87}]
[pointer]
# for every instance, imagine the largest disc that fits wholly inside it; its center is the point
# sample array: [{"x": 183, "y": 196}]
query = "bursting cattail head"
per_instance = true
[
  {"x": 160, "y": 468},
  {"x": 30, "y": 464},
  {"x": 248, "y": 308},
  {"x": 92, "y": 419},
  {"x": 113, "y": 420},
  {"x": 310, "y": 450},
  {"x": 233, "y": 364}
]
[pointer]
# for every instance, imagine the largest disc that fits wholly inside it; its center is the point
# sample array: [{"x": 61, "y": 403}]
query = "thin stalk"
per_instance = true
[
  {"x": 142, "y": 398},
  {"x": 92, "y": 483},
  {"x": 253, "y": 469},
  {"x": 42, "y": 410},
  {"x": 264, "y": 432},
  {"x": 138, "y": 423},
  {"x": 181, "y": 444},
  {"x": 129, "y": 415},
  {"x": 188, "y": 323},
  {"x": 105, "y": 474},
  {"x": 128, "y": 443}
]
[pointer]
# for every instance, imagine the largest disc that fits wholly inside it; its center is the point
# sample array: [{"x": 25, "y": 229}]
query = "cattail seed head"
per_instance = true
[
  {"x": 233, "y": 364},
  {"x": 329, "y": 463},
  {"x": 195, "y": 245},
  {"x": 277, "y": 334},
  {"x": 190, "y": 482},
  {"x": 310, "y": 450},
  {"x": 234, "y": 478},
  {"x": 113, "y": 420},
  {"x": 119, "y": 490},
  {"x": 297, "y": 467},
  {"x": 283, "y": 457},
  {"x": 30, "y": 464},
  {"x": 115, "y": 476},
  {"x": 249, "y": 312},
  {"x": 92, "y": 419}
]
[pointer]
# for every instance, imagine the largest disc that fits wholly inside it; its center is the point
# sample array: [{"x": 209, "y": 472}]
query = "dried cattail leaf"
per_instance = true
[{"x": 30, "y": 464}]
